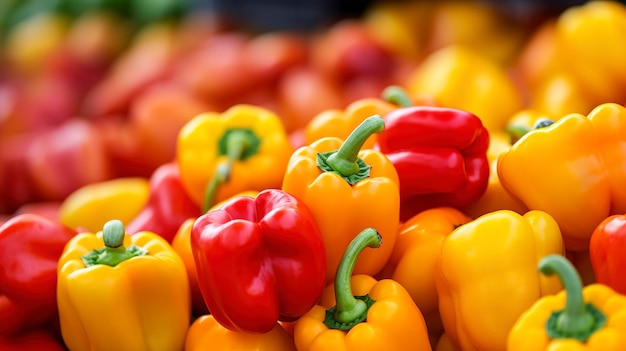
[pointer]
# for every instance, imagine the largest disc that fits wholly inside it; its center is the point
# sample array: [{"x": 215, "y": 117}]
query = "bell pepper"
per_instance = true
[
  {"x": 357, "y": 312},
  {"x": 606, "y": 251},
  {"x": 167, "y": 207},
  {"x": 340, "y": 123},
  {"x": 462, "y": 78},
  {"x": 206, "y": 333},
  {"x": 220, "y": 155},
  {"x": 414, "y": 258},
  {"x": 92, "y": 205},
  {"x": 128, "y": 293},
  {"x": 37, "y": 339},
  {"x": 587, "y": 174},
  {"x": 577, "y": 318},
  {"x": 486, "y": 275},
  {"x": 348, "y": 189},
  {"x": 440, "y": 155},
  {"x": 30, "y": 246},
  {"x": 259, "y": 260}
]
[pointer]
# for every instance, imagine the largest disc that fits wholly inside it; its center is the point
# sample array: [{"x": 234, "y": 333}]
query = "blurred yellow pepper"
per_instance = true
[
  {"x": 486, "y": 275},
  {"x": 92, "y": 205},
  {"x": 459, "y": 77}
]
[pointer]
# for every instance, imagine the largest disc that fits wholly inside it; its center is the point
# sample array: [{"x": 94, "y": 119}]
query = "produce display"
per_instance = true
[{"x": 425, "y": 175}]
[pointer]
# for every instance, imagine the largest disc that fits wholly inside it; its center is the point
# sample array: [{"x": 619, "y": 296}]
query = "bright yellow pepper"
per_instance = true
[
  {"x": 92, "y": 205},
  {"x": 339, "y": 124},
  {"x": 573, "y": 170},
  {"x": 486, "y": 276},
  {"x": 577, "y": 318},
  {"x": 415, "y": 254},
  {"x": 207, "y": 334},
  {"x": 348, "y": 189},
  {"x": 357, "y": 312},
  {"x": 458, "y": 77},
  {"x": 592, "y": 39},
  {"x": 121, "y": 292},
  {"x": 221, "y": 155}
]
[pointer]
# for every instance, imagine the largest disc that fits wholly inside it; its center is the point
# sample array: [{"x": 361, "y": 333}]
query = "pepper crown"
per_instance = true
[
  {"x": 578, "y": 320},
  {"x": 237, "y": 144},
  {"x": 114, "y": 251},
  {"x": 351, "y": 310},
  {"x": 345, "y": 160}
]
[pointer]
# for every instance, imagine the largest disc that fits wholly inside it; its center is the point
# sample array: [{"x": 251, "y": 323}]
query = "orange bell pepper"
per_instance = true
[
  {"x": 573, "y": 170},
  {"x": 357, "y": 312},
  {"x": 348, "y": 189},
  {"x": 414, "y": 258},
  {"x": 205, "y": 333}
]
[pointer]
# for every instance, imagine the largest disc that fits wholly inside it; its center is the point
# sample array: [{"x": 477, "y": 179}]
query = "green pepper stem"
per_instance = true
[
  {"x": 577, "y": 320},
  {"x": 236, "y": 144},
  {"x": 397, "y": 95},
  {"x": 348, "y": 307},
  {"x": 542, "y": 123},
  {"x": 114, "y": 251},
  {"x": 516, "y": 132},
  {"x": 344, "y": 160}
]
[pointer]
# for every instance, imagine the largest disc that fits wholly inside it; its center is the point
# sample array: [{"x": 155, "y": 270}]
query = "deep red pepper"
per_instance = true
[
  {"x": 606, "y": 250},
  {"x": 37, "y": 339},
  {"x": 167, "y": 207},
  {"x": 30, "y": 246},
  {"x": 259, "y": 260},
  {"x": 440, "y": 155}
]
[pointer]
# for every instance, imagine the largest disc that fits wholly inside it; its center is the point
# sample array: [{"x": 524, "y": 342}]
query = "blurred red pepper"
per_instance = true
[
  {"x": 38, "y": 339},
  {"x": 259, "y": 260},
  {"x": 30, "y": 246},
  {"x": 440, "y": 155},
  {"x": 168, "y": 205},
  {"x": 606, "y": 250}
]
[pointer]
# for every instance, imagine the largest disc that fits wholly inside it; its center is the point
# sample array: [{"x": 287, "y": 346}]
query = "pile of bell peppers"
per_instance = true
[{"x": 414, "y": 189}]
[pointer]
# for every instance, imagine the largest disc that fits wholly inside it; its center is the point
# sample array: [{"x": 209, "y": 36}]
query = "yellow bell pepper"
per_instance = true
[
  {"x": 592, "y": 38},
  {"x": 577, "y": 318},
  {"x": 573, "y": 170},
  {"x": 91, "y": 206},
  {"x": 348, "y": 189},
  {"x": 486, "y": 276},
  {"x": 339, "y": 124},
  {"x": 357, "y": 312},
  {"x": 458, "y": 77},
  {"x": 220, "y": 155},
  {"x": 121, "y": 292},
  {"x": 207, "y": 334},
  {"x": 415, "y": 254}
]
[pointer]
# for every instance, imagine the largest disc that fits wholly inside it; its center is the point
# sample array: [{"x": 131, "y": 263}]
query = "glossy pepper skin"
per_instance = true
[
  {"x": 357, "y": 312},
  {"x": 167, "y": 207},
  {"x": 205, "y": 333},
  {"x": 30, "y": 246},
  {"x": 486, "y": 275},
  {"x": 575, "y": 163},
  {"x": 577, "y": 318},
  {"x": 357, "y": 189},
  {"x": 128, "y": 293},
  {"x": 606, "y": 251},
  {"x": 219, "y": 155},
  {"x": 36, "y": 339},
  {"x": 440, "y": 154},
  {"x": 259, "y": 260},
  {"x": 414, "y": 258}
]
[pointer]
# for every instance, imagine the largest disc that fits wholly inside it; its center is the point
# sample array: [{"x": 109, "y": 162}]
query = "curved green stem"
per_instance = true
[
  {"x": 578, "y": 320},
  {"x": 397, "y": 95},
  {"x": 344, "y": 160},
  {"x": 349, "y": 309},
  {"x": 516, "y": 132},
  {"x": 236, "y": 145},
  {"x": 114, "y": 251}
]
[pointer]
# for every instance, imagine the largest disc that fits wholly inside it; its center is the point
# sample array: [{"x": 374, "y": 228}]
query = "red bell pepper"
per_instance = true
[
  {"x": 259, "y": 260},
  {"x": 440, "y": 155},
  {"x": 37, "y": 339},
  {"x": 167, "y": 207},
  {"x": 606, "y": 250},
  {"x": 30, "y": 246}
]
